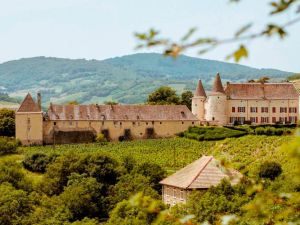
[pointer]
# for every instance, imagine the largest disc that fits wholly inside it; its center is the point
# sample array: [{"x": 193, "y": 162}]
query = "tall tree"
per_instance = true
[
  {"x": 186, "y": 99},
  {"x": 163, "y": 96}
]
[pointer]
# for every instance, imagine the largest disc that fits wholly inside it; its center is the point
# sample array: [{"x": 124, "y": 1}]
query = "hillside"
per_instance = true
[{"x": 127, "y": 79}]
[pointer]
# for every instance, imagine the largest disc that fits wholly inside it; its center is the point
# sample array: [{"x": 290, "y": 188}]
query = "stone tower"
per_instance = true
[
  {"x": 198, "y": 102},
  {"x": 29, "y": 121},
  {"x": 216, "y": 107}
]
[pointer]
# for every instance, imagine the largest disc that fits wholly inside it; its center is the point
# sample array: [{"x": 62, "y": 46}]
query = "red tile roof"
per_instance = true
[
  {"x": 200, "y": 90},
  {"x": 201, "y": 174},
  {"x": 266, "y": 91},
  {"x": 29, "y": 105},
  {"x": 217, "y": 86},
  {"x": 120, "y": 112}
]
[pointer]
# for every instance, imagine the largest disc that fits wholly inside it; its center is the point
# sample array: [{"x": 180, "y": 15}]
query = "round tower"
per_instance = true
[
  {"x": 198, "y": 102},
  {"x": 216, "y": 107}
]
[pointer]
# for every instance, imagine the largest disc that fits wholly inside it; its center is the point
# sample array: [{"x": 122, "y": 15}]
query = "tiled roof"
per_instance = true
[
  {"x": 261, "y": 91},
  {"x": 120, "y": 112},
  {"x": 200, "y": 90},
  {"x": 201, "y": 174},
  {"x": 29, "y": 105},
  {"x": 217, "y": 86}
]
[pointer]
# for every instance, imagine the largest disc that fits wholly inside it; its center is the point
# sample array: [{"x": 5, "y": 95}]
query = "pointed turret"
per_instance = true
[
  {"x": 218, "y": 87},
  {"x": 200, "y": 92},
  {"x": 29, "y": 105}
]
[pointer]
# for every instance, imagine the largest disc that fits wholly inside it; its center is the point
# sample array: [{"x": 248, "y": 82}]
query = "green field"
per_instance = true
[{"x": 243, "y": 153}]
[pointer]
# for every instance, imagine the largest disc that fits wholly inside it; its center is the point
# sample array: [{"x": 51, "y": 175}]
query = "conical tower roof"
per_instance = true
[
  {"x": 200, "y": 92},
  {"x": 218, "y": 87},
  {"x": 29, "y": 105}
]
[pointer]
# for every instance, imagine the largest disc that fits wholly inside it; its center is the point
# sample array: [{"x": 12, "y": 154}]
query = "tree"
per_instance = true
[
  {"x": 8, "y": 146},
  {"x": 15, "y": 205},
  {"x": 7, "y": 122},
  {"x": 38, "y": 162},
  {"x": 219, "y": 200},
  {"x": 129, "y": 185},
  {"x": 83, "y": 198},
  {"x": 186, "y": 99},
  {"x": 163, "y": 96},
  {"x": 152, "y": 171},
  {"x": 139, "y": 210},
  {"x": 99, "y": 166}
]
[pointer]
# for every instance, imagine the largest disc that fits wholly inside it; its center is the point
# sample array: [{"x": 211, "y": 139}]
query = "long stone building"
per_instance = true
[
  {"x": 255, "y": 103},
  {"x": 81, "y": 123}
]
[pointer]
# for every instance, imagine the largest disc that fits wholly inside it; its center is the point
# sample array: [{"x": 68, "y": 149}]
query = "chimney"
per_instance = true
[{"x": 39, "y": 100}]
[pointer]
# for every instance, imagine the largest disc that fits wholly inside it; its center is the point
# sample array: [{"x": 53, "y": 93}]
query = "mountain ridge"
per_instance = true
[{"x": 127, "y": 79}]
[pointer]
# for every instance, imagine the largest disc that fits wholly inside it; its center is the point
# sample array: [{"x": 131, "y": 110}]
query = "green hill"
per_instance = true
[{"x": 127, "y": 79}]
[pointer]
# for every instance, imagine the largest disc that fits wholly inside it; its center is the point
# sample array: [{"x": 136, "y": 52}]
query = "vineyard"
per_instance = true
[{"x": 242, "y": 153}]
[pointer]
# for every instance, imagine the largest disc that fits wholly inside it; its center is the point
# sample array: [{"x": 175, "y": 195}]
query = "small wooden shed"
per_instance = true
[{"x": 201, "y": 174}]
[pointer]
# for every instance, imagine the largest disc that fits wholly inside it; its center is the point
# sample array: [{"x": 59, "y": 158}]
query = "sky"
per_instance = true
[{"x": 100, "y": 29}]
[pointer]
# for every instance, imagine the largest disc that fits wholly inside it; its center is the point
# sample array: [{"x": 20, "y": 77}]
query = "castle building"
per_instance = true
[
  {"x": 255, "y": 103},
  {"x": 63, "y": 124},
  {"x": 199, "y": 175}
]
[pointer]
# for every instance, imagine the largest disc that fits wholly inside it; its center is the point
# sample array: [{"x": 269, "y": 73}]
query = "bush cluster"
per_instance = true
[
  {"x": 8, "y": 146},
  {"x": 38, "y": 162},
  {"x": 270, "y": 170},
  {"x": 211, "y": 133}
]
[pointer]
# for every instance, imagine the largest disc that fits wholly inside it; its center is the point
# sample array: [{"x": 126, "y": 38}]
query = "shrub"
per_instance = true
[
  {"x": 7, "y": 122},
  {"x": 270, "y": 170},
  {"x": 8, "y": 146},
  {"x": 100, "y": 138},
  {"x": 38, "y": 162}
]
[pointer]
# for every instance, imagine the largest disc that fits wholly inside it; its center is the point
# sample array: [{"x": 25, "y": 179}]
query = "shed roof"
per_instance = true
[
  {"x": 29, "y": 105},
  {"x": 201, "y": 174},
  {"x": 266, "y": 91},
  {"x": 120, "y": 112}
]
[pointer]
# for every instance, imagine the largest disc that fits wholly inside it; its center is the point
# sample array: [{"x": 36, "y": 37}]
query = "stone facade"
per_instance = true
[
  {"x": 63, "y": 124},
  {"x": 255, "y": 103}
]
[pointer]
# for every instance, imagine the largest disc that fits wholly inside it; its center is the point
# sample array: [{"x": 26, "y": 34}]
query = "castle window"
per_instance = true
[
  {"x": 233, "y": 109},
  {"x": 264, "y": 109},
  {"x": 133, "y": 123},
  {"x": 213, "y": 118},
  {"x": 152, "y": 122},
  {"x": 160, "y": 122},
  {"x": 253, "y": 109},
  {"x": 293, "y": 110},
  {"x": 241, "y": 109},
  {"x": 120, "y": 123},
  {"x": 283, "y": 110},
  {"x": 274, "y": 119},
  {"x": 54, "y": 123},
  {"x": 193, "y": 122},
  {"x": 254, "y": 119},
  {"x": 293, "y": 119},
  {"x": 182, "y": 122},
  {"x": 146, "y": 123},
  {"x": 274, "y": 109},
  {"x": 264, "y": 119}
]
